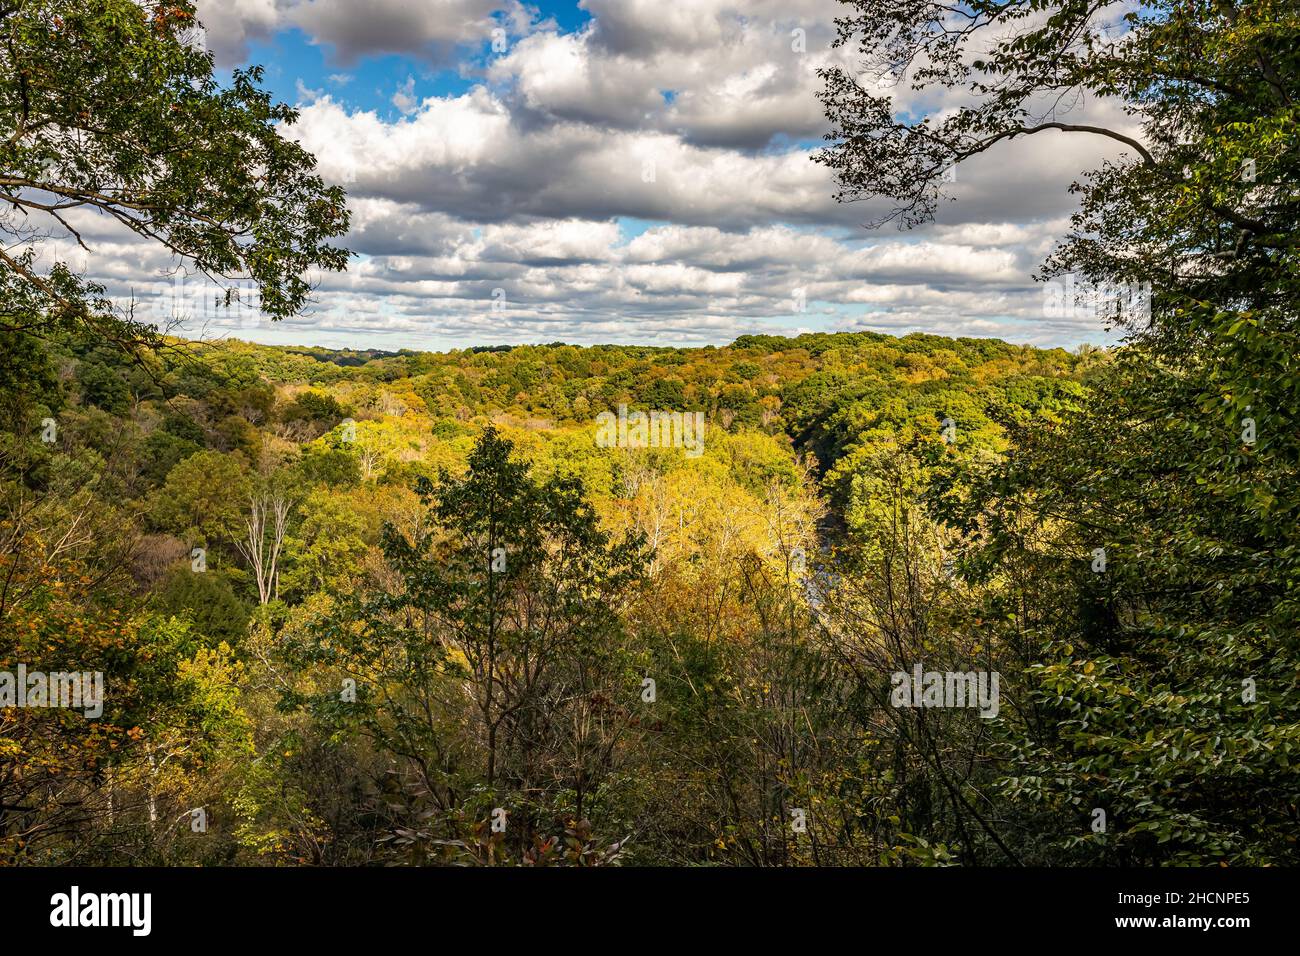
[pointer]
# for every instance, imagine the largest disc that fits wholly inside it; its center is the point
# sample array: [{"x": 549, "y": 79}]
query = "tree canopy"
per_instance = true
[{"x": 112, "y": 108}]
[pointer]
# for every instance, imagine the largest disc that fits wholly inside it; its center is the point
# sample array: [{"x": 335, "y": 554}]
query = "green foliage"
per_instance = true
[
  {"x": 203, "y": 498},
  {"x": 113, "y": 108},
  {"x": 1136, "y": 546},
  {"x": 208, "y": 601},
  {"x": 508, "y": 587}
]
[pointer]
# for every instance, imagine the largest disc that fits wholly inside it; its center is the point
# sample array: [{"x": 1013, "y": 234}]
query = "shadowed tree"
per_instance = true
[{"x": 1163, "y": 686}]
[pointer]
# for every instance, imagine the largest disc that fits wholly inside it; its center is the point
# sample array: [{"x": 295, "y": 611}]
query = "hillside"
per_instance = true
[{"x": 222, "y": 504}]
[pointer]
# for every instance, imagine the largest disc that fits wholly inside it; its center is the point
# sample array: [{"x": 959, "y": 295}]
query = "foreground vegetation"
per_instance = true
[
  {"x": 346, "y": 516},
  {"x": 406, "y": 608}
]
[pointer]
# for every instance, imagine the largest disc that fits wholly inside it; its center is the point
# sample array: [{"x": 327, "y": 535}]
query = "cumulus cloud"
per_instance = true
[
  {"x": 429, "y": 29},
  {"x": 645, "y": 177},
  {"x": 231, "y": 25},
  {"x": 757, "y": 82},
  {"x": 404, "y": 99}
]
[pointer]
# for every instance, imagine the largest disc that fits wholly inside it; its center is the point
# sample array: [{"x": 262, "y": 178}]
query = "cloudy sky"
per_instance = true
[{"x": 618, "y": 171}]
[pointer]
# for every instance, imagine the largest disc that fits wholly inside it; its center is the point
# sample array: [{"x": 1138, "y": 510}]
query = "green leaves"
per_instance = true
[
  {"x": 106, "y": 105},
  {"x": 1175, "y": 705}
]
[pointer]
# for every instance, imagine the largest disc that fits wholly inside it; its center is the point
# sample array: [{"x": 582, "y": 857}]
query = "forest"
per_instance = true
[{"x": 913, "y": 601}]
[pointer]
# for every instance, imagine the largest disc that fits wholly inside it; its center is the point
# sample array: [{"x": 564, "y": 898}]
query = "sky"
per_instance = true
[{"x": 618, "y": 171}]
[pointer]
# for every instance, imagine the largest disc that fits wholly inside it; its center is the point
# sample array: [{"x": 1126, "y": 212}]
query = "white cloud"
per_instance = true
[
  {"x": 697, "y": 118},
  {"x": 231, "y": 25},
  {"x": 305, "y": 93},
  {"x": 404, "y": 99}
]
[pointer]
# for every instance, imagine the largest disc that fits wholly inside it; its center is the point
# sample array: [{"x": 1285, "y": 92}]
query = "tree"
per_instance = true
[
  {"x": 1147, "y": 542},
  {"x": 376, "y": 444},
  {"x": 1201, "y": 202},
  {"x": 75, "y": 784},
  {"x": 326, "y": 549},
  {"x": 507, "y": 602},
  {"x": 270, "y": 504},
  {"x": 204, "y": 496},
  {"x": 208, "y": 600},
  {"x": 111, "y": 106}
]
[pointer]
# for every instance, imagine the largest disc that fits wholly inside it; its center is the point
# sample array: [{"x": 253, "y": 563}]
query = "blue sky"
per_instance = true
[{"x": 292, "y": 60}]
